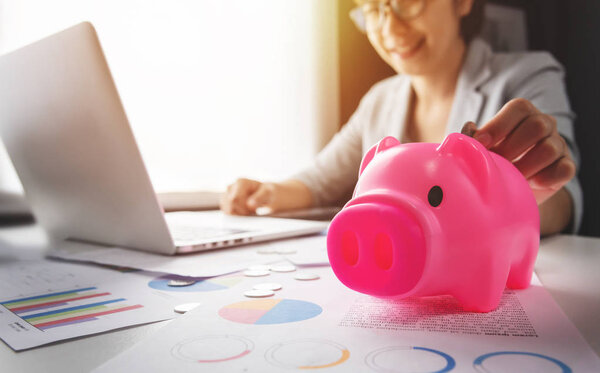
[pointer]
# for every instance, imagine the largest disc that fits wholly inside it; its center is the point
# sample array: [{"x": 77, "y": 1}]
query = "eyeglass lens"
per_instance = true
[{"x": 375, "y": 11}]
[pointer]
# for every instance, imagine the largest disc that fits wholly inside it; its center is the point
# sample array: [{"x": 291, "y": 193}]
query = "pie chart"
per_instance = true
[
  {"x": 201, "y": 283},
  {"x": 270, "y": 311}
]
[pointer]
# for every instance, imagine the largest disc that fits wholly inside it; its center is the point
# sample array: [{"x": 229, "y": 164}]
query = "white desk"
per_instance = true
[{"x": 568, "y": 266}]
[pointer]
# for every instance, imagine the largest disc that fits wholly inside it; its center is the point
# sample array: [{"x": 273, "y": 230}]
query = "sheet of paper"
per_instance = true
[
  {"x": 204, "y": 264},
  {"x": 323, "y": 325},
  {"x": 45, "y": 301},
  {"x": 309, "y": 251}
]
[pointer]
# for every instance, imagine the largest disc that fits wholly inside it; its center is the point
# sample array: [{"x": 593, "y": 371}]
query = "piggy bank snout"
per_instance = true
[{"x": 377, "y": 249}]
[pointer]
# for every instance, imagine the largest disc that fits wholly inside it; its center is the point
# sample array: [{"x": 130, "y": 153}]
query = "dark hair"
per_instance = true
[{"x": 471, "y": 24}]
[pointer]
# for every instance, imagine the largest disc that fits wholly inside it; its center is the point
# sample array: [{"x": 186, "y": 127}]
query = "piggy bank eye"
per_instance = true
[{"x": 435, "y": 196}]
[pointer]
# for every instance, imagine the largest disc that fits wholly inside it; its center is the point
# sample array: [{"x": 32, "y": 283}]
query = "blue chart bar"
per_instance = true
[
  {"x": 46, "y": 295},
  {"x": 62, "y": 310}
]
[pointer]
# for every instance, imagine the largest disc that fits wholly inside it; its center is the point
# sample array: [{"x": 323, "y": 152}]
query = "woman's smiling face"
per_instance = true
[{"x": 420, "y": 45}]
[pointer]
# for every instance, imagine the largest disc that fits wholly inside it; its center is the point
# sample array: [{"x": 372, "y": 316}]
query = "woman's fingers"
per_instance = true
[
  {"x": 503, "y": 123},
  {"x": 234, "y": 201},
  {"x": 551, "y": 179},
  {"x": 529, "y": 132},
  {"x": 262, "y": 197},
  {"x": 542, "y": 155},
  {"x": 237, "y": 197},
  {"x": 554, "y": 176},
  {"x": 529, "y": 139}
]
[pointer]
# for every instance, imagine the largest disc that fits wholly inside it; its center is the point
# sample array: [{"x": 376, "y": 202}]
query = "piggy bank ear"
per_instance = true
[
  {"x": 472, "y": 157},
  {"x": 382, "y": 145}
]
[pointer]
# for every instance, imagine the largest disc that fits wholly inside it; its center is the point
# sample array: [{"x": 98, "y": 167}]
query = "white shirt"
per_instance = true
[{"x": 486, "y": 82}]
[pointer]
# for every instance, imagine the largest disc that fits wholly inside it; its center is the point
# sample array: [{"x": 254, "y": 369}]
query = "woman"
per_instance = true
[{"x": 446, "y": 77}]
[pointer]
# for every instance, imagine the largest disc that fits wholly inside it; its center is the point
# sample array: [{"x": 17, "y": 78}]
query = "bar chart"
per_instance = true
[{"x": 68, "y": 307}]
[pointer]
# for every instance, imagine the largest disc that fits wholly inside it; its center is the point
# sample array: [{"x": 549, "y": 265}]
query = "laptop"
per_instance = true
[{"x": 66, "y": 132}]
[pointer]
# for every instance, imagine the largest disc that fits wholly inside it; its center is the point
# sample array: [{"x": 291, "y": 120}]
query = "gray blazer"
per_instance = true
[{"x": 486, "y": 82}]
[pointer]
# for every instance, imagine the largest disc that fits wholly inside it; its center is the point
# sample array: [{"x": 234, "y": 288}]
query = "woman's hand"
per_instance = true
[
  {"x": 527, "y": 137},
  {"x": 245, "y": 195}
]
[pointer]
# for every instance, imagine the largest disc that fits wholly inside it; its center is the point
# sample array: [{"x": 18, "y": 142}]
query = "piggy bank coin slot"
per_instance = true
[
  {"x": 383, "y": 250},
  {"x": 350, "y": 248},
  {"x": 435, "y": 196}
]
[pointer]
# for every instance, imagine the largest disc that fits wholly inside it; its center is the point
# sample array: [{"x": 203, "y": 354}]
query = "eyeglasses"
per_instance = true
[{"x": 370, "y": 15}]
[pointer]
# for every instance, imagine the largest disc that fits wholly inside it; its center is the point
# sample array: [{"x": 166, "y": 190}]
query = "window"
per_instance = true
[{"x": 213, "y": 90}]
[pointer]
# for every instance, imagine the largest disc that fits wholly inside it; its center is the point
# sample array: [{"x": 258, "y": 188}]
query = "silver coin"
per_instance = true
[
  {"x": 181, "y": 282},
  {"x": 183, "y": 308},
  {"x": 267, "y": 286},
  {"x": 256, "y": 273},
  {"x": 306, "y": 276},
  {"x": 258, "y": 293},
  {"x": 283, "y": 268}
]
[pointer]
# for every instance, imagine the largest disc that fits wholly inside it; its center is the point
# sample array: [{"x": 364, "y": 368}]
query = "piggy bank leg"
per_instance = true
[
  {"x": 521, "y": 272},
  {"x": 485, "y": 288}
]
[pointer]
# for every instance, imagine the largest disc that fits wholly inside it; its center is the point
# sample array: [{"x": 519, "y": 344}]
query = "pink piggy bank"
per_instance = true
[{"x": 429, "y": 219}]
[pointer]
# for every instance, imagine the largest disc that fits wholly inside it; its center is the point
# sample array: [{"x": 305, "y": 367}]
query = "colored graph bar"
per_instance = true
[
  {"x": 62, "y": 315},
  {"x": 65, "y": 310},
  {"x": 55, "y": 303},
  {"x": 42, "y": 308},
  {"x": 69, "y": 323},
  {"x": 12, "y": 302},
  {"x": 54, "y": 298},
  {"x": 76, "y": 318}
]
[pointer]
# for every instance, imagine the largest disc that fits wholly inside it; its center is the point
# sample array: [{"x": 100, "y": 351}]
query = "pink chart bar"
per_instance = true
[
  {"x": 68, "y": 323},
  {"x": 40, "y": 308}
]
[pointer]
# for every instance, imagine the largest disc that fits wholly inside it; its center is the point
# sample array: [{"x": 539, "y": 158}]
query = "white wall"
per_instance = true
[{"x": 213, "y": 89}]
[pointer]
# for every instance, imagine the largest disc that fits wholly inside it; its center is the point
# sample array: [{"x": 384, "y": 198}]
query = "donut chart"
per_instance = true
[
  {"x": 307, "y": 354},
  {"x": 212, "y": 349},
  {"x": 403, "y": 359},
  {"x": 270, "y": 311},
  {"x": 201, "y": 284},
  {"x": 503, "y": 360}
]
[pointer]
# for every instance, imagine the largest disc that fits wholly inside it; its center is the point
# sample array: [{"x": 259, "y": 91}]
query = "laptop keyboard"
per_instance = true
[{"x": 186, "y": 233}]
